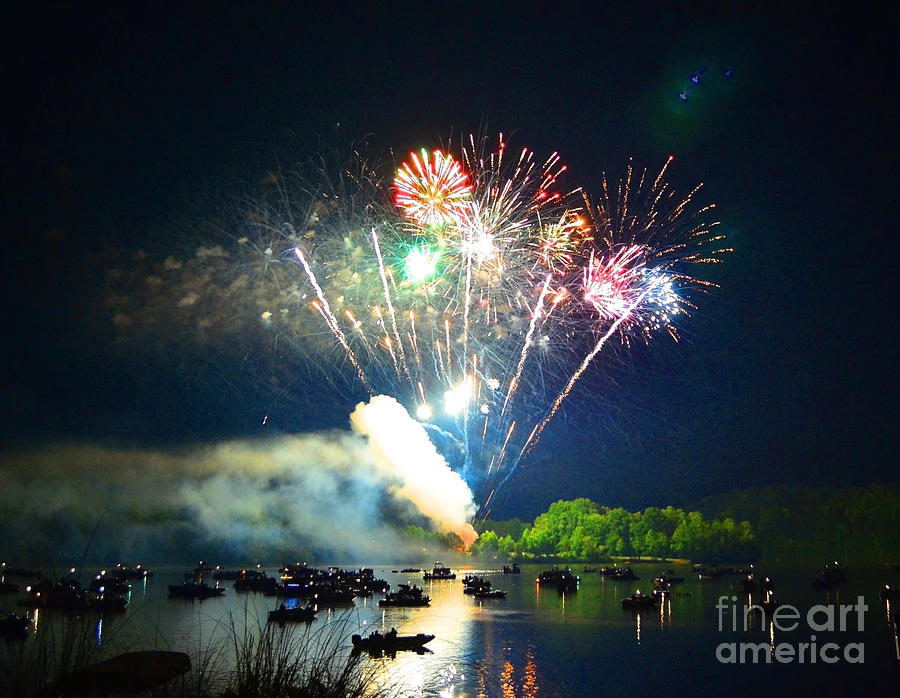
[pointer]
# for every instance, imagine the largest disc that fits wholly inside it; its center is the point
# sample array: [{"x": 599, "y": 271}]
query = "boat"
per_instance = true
[
  {"x": 406, "y": 595},
  {"x": 20, "y": 571},
  {"x": 110, "y": 584},
  {"x": 332, "y": 596},
  {"x": 440, "y": 571},
  {"x": 830, "y": 576},
  {"x": 563, "y": 580},
  {"x": 365, "y": 583},
  {"x": 408, "y": 570},
  {"x": 473, "y": 584},
  {"x": 619, "y": 574},
  {"x": 664, "y": 582},
  {"x": 753, "y": 584},
  {"x": 194, "y": 590},
  {"x": 228, "y": 575},
  {"x": 108, "y": 603},
  {"x": 297, "y": 614},
  {"x": 260, "y": 582},
  {"x": 490, "y": 594},
  {"x": 515, "y": 569},
  {"x": 390, "y": 642},
  {"x": 62, "y": 595},
  {"x": 138, "y": 572},
  {"x": 638, "y": 601}
]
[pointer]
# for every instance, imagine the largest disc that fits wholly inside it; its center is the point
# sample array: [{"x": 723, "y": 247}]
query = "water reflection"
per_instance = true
[
  {"x": 529, "y": 678},
  {"x": 665, "y": 611}
]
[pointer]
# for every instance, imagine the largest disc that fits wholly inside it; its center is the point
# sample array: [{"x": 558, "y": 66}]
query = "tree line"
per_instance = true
[
  {"x": 802, "y": 523},
  {"x": 581, "y": 530},
  {"x": 798, "y": 524}
]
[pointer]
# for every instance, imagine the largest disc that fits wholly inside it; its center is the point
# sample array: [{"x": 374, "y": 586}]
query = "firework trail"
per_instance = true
[
  {"x": 535, "y": 435},
  {"x": 331, "y": 320},
  {"x": 525, "y": 346},
  {"x": 390, "y": 305}
]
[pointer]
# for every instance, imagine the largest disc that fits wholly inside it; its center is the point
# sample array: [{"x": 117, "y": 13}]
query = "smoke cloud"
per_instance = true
[
  {"x": 403, "y": 453},
  {"x": 336, "y": 495}
]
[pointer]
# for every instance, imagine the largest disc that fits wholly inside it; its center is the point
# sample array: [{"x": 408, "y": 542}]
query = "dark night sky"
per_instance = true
[{"x": 123, "y": 125}]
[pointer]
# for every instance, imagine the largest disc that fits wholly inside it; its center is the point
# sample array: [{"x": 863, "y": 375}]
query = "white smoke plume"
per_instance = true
[{"x": 403, "y": 452}]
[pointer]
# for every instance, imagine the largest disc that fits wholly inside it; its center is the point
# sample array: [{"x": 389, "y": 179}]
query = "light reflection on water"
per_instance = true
[{"x": 535, "y": 643}]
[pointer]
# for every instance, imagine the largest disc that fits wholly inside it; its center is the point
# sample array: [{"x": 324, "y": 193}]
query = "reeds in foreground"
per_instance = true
[{"x": 252, "y": 659}]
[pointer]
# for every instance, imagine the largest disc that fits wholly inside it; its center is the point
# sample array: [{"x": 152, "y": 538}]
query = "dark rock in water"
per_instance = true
[{"x": 132, "y": 672}]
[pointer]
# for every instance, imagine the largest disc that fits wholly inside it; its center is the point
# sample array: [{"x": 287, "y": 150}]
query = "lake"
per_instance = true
[{"x": 539, "y": 643}]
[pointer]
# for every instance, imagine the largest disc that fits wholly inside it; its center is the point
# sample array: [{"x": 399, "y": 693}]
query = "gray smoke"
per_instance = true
[{"x": 314, "y": 496}]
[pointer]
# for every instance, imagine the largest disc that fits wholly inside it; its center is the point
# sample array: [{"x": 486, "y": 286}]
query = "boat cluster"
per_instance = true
[
  {"x": 108, "y": 591},
  {"x": 331, "y": 586}
]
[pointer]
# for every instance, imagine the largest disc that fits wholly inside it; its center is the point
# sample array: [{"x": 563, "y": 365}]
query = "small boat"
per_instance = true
[
  {"x": 515, "y": 569},
  {"x": 490, "y": 594},
  {"x": 753, "y": 584},
  {"x": 711, "y": 572},
  {"x": 408, "y": 570},
  {"x": 194, "y": 590},
  {"x": 107, "y": 603},
  {"x": 20, "y": 571},
  {"x": 62, "y": 595},
  {"x": 390, "y": 642},
  {"x": 440, "y": 571},
  {"x": 664, "y": 582},
  {"x": 638, "y": 601},
  {"x": 830, "y": 576},
  {"x": 139, "y": 572},
  {"x": 250, "y": 580},
  {"x": 407, "y": 596},
  {"x": 225, "y": 575},
  {"x": 297, "y": 614},
  {"x": 473, "y": 584},
  {"x": 619, "y": 574}
]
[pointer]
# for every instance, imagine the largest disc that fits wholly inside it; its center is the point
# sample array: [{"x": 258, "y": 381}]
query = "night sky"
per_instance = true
[{"x": 127, "y": 128}]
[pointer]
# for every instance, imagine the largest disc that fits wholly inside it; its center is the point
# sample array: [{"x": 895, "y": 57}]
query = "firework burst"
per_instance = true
[
  {"x": 475, "y": 289},
  {"x": 432, "y": 191}
]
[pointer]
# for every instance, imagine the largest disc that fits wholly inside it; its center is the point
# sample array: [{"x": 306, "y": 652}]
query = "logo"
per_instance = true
[{"x": 820, "y": 618}]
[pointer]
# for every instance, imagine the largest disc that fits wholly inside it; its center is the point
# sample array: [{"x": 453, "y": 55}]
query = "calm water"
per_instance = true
[{"x": 541, "y": 643}]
